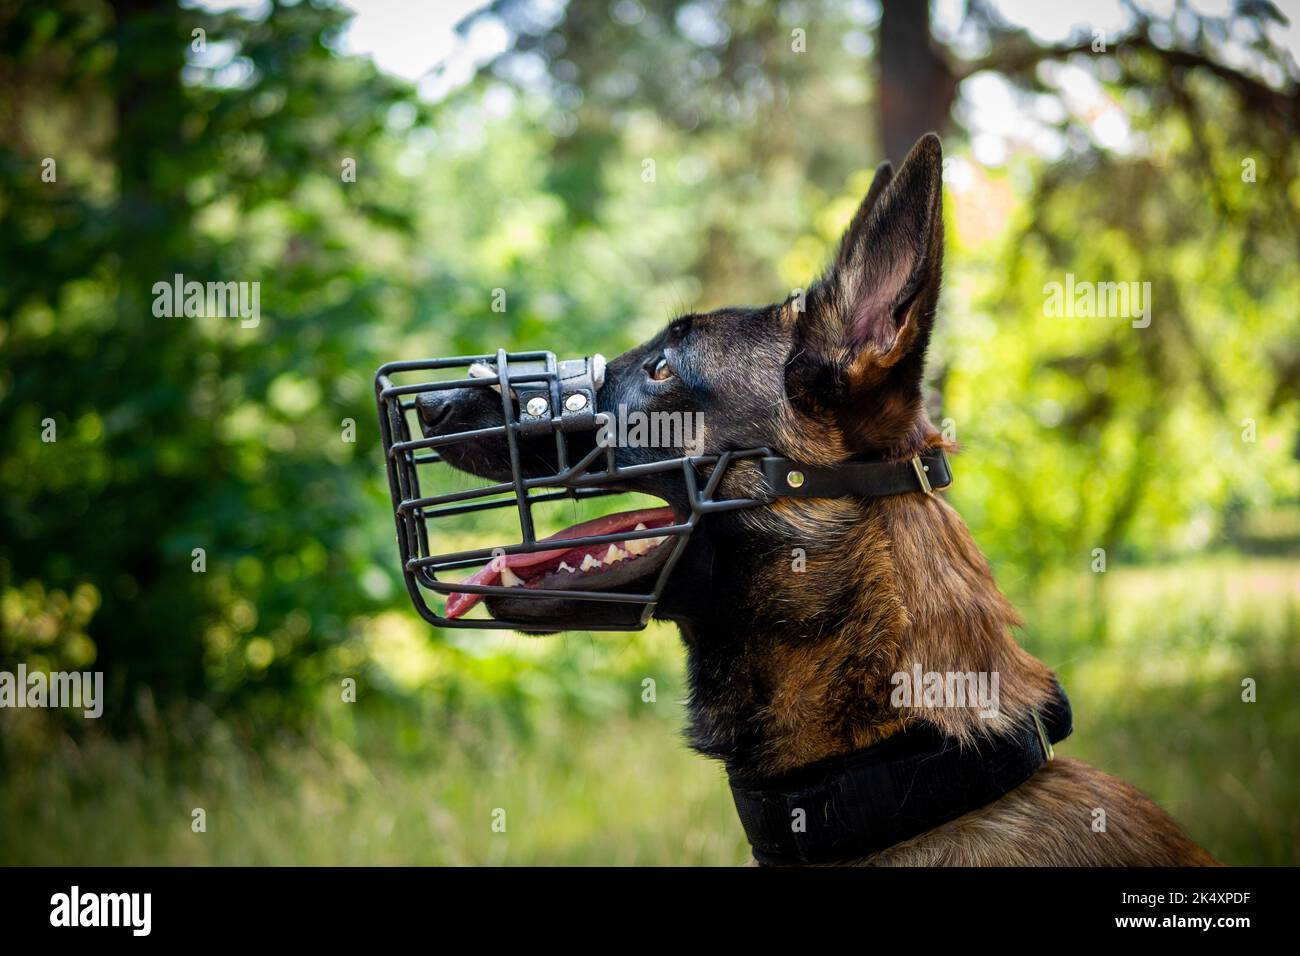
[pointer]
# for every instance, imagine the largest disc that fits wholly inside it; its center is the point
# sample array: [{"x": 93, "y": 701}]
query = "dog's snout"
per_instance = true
[{"x": 435, "y": 410}]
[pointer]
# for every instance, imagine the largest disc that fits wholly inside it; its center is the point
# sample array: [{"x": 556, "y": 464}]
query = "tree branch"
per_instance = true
[{"x": 1284, "y": 103}]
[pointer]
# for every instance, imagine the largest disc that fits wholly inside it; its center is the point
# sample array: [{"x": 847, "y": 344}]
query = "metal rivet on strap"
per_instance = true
[
  {"x": 537, "y": 406},
  {"x": 576, "y": 402},
  {"x": 794, "y": 479}
]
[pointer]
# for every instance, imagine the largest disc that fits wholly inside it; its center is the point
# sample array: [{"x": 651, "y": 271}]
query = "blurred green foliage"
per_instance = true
[
  {"x": 556, "y": 733},
  {"x": 605, "y": 171}
]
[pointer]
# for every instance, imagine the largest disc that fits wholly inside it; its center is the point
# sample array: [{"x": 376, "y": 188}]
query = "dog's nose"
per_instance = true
[{"x": 434, "y": 409}]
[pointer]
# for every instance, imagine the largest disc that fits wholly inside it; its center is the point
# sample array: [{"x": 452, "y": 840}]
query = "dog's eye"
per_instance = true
[{"x": 660, "y": 370}]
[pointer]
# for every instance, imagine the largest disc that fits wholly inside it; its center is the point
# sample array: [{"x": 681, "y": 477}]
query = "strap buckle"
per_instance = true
[
  {"x": 1043, "y": 739},
  {"x": 921, "y": 469},
  {"x": 942, "y": 482}
]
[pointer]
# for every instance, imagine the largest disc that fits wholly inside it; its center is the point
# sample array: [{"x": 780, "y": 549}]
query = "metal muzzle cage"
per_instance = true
[{"x": 539, "y": 398}]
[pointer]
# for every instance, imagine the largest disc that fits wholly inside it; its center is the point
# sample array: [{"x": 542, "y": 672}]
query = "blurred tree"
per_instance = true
[
  {"x": 1200, "y": 201},
  {"x": 916, "y": 83},
  {"x": 619, "y": 160},
  {"x": 781, "y": 104},
  {"x": 187, "y": 143}
]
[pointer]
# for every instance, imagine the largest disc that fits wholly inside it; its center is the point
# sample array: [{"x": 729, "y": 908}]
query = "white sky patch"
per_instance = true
[
  {"x": 417, "y": 40},
  {"x": 1002, "y": 121},
  {"x": 413, "y": 39},
  {"x": 486, "y": 38},
  {"x": 1288, "y": 36},
  {"x": 252, "y": 9},
  {"x": 407, "y": 38},
  {"x": 1056, "y": 22}
]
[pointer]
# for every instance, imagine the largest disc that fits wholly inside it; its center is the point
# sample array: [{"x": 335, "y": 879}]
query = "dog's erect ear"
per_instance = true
[
  {"x": 853, "y": 234},
  {"x": 867, "y": 321}
]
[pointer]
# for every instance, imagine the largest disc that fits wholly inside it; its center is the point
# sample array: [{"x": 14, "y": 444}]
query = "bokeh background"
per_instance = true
[{"x": 505, "y": 146}]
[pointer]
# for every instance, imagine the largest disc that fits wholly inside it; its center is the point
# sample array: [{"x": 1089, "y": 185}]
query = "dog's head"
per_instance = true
[{"x": 827, "y": 375}]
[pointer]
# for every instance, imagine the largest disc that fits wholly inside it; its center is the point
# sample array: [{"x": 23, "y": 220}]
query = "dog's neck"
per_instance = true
[{"x": 859, "y": 592}]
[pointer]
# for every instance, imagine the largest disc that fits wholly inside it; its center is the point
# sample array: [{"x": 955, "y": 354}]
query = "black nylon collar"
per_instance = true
[
  {"x": 858, "y": 804},
  {"x": 858, "y": 479}
]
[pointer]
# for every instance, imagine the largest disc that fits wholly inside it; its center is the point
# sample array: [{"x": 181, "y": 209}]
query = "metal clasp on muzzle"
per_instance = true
[{"x": 578, "y": 379}]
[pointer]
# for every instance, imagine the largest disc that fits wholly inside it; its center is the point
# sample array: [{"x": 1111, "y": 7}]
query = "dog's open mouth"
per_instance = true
[{"x": 593, "y": 567}]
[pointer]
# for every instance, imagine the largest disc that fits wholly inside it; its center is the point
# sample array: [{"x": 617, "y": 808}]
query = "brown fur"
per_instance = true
[
  {"x": 889, "y": 582},
  {"x": 1047, "y": 821},
  {"x": 789, "y": 668},
  {"x": 926, "y": 595}
]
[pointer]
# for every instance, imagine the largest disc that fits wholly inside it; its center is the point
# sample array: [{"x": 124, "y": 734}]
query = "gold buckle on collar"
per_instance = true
[
  {"x": 1042, "y": 736},
  {"x": 920, "y": 470}
]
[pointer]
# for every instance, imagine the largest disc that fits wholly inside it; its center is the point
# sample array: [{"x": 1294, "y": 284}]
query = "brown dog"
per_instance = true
[{"x": 807, "y": 619}]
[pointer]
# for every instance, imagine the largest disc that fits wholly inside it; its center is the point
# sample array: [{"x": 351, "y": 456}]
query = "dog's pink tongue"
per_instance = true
[{"x": 458, "y": 603}]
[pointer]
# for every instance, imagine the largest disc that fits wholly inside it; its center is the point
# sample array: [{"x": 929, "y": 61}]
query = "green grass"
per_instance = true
[
  {"x": 555, "y": 733},
  {"x": 621, "y": 792},
  {"x": 1155, "y": 670}
]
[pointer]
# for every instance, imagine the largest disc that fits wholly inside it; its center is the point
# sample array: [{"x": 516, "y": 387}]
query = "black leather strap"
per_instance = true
[
  {"x": 857, "y": 479},
  {"x": 864, "y": 802},
  {"x": 579, "y": 380}
]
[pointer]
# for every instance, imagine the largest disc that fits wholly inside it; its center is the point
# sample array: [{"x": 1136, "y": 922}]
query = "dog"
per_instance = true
[{"x": 794, "y": 672}]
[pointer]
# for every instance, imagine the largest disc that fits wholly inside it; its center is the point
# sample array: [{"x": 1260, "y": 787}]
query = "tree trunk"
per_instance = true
[{"x": 916, "y": 87}]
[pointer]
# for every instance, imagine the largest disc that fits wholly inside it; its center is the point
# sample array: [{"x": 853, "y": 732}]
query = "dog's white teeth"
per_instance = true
[
  {"x": 638, "y": 546},
  {"x": 655, "y": 542},
  {"x": 614, "y": 554},
  {"x": 564, "y": 567},
  {"x": 588, "y": 562},
  {"x": 509, "y": 578}
]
